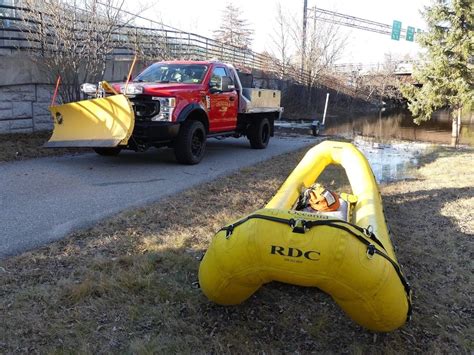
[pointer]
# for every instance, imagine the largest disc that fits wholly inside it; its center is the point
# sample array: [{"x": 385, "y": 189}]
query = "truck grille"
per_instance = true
[{"x": 145, "y": 108}]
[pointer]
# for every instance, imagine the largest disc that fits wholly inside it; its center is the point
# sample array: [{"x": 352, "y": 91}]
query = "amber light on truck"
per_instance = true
[{"x": 167, "y": 105}]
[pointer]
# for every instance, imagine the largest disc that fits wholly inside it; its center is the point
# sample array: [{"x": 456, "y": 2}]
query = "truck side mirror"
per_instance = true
[
  {"x": 214, "y": 87},
  {"x": 227, "y": 84}
]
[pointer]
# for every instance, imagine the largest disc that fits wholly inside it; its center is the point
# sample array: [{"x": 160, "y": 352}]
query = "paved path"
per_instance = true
[{"x": 42, "y": 200}]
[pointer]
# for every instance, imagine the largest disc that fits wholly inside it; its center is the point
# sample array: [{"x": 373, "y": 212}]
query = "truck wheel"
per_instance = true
[
  {"x": 108, "y": 152},
  {"x": 259, "y": 134},
  {"x": 190, "y": 144}
]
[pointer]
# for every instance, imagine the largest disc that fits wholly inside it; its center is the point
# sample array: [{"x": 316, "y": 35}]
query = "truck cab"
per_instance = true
[{"x": 180, "y": 104}]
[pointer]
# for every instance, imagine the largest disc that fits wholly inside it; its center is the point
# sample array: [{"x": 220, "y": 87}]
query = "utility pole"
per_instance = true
[
  {"x": 314, "y": 19},
  {"x": 303, "y": 45}
]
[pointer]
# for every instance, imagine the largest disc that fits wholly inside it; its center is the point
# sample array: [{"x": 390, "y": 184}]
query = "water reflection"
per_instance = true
[
  {"x": 388, "y": 125},
  {"x": 399, "y": 125},
  {"x": 391, "y": 141},
  {"x": 394, "y": 161}
]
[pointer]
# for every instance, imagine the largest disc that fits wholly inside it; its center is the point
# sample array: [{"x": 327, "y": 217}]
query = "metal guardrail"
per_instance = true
[{"x": 172, "y": 44}]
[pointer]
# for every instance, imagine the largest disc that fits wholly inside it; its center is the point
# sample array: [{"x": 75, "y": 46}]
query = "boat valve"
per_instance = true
[{"x": 298, "y": 226}]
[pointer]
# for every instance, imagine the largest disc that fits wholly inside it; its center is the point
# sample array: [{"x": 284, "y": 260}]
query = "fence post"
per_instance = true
[
  {"x": 168, "y": 49},
  {"x": 189, "y": 47},
  {"x": 136, "y": 40},
  {"x": 43, "y": 50}
]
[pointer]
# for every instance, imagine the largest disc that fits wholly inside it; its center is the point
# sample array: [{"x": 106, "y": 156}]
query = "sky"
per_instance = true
[{"x": 204, "y": 16}]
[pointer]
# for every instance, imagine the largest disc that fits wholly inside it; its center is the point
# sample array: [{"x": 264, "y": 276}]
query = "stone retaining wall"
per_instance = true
[
  {"x": 25, "y": 94},
  {"x": 24, "y": 108}
]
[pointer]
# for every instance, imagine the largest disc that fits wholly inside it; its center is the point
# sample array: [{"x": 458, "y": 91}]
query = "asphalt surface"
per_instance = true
[{"x": 42, "y": 200}]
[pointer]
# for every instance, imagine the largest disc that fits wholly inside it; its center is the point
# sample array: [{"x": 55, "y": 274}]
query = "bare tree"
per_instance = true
[
  {"x": 234, "y": 30},
  {"x": 149, "y": 45},
  {"x": 281, "y": 42},
  {"x": 73, "y": 38},
  {"x": 324, "y": 47},
  {"x": 382, "y": 83}
]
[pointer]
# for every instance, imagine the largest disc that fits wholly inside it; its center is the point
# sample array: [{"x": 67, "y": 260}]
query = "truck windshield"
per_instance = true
[{"x": 173, "y": 73}]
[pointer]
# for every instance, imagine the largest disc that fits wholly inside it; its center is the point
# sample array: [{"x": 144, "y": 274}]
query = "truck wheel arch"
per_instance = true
[{"x": 195, "y": 112}]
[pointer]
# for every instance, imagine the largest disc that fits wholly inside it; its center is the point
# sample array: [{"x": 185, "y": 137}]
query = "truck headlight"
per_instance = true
[
  {"x": 89, "y": 89},
  {"x": 131, "y": 89},
  {"x": 167, "y": 105}
]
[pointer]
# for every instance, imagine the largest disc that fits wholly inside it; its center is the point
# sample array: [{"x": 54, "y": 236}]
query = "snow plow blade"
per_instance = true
[{"x": 103, "y": 122}]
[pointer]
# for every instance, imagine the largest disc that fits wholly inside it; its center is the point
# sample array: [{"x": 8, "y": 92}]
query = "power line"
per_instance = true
[
  {"x": 305, "y": 20},
  {"x": 352, "y": 21},
  {"x": 320, "y": 14}
]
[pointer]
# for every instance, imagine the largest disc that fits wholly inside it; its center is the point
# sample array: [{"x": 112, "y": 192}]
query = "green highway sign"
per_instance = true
[
  {"x": 396, "y": 30},
  {"x": 410, "y": 33}
]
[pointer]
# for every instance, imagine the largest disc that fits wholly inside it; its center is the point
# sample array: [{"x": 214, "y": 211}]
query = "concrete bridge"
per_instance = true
[{"x": 400, "y": 67}]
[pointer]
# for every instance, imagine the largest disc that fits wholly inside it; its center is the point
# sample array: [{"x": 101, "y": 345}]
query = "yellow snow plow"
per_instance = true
[{"x": 100, "y": 122}]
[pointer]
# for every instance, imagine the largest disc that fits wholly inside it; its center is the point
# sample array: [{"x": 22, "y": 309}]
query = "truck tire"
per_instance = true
[
  {"x": 190, "y": 145},
  {"x": 259, "y": 133},
  {"x": 108, "y": 152}
]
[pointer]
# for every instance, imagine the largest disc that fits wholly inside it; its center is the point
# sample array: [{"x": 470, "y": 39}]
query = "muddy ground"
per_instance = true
[{"x": 127, "y": 285}]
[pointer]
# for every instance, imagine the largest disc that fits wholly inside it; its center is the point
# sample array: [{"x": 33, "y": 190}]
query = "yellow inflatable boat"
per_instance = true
[{"x": 347, "y": 255}]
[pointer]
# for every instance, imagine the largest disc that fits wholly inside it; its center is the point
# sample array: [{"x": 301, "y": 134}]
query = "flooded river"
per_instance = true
[
  {"x": 389, "y": 125},
  {"x": 392, "y": 143},
  {"x": 394, "y": 160}
]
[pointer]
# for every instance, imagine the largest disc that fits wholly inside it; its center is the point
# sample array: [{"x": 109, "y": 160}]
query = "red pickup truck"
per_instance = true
[{"x": 178, "y": 104}]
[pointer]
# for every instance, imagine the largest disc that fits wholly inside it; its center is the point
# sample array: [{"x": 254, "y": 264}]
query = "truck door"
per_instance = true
[{"x": 223, "y": 105}]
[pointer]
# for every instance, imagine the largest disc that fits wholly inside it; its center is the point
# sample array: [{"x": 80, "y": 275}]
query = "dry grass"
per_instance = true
[
  {"x": 126, "y": 285},
  {"x": 21, "y": 146}
]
